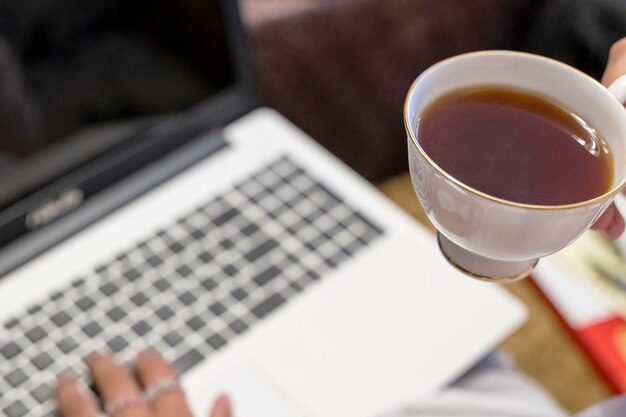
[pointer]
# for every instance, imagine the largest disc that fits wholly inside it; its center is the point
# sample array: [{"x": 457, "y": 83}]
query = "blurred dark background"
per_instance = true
[
  {"x": 340, "y": 69},
  {"x": 67, "y": 64}
]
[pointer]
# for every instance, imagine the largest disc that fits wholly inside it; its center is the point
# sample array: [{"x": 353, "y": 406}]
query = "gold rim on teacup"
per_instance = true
[{"x": 407, "y": 124}]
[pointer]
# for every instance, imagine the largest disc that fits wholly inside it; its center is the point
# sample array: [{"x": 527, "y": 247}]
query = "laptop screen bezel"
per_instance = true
[{"x": 88, "y": 179}]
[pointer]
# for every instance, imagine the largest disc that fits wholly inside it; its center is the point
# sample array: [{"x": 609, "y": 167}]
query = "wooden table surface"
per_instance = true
[{"x": 542, "y": 348}]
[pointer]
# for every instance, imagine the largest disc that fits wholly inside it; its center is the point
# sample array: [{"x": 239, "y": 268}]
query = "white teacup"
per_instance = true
[{"x": 487, "y": 237}]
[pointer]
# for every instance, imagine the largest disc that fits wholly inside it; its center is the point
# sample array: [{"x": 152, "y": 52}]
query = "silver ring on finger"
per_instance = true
[
  {"x": 161, "y": 387},
  {"x": 123, "y": 403}
]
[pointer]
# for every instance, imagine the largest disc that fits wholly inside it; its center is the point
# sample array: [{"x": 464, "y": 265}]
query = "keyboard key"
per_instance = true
[
  {"x": 195, "y": 323},
  {"x": 217, "y": 308},
  {"x": 197, "y": 234},
  {"x": 205, "y": 257},
  {"x": 67, "y": 345},
  {"x": 250, "y": 229},
  {"x": 230, "y": 270},
  {"x": 42, "y": 361},
  {"x": 239, "y": 294},
  {"x": 11, "y": 323},
  {"x": 162, "y": 285},
  {"x": 184, "y": 271},
  {"x": 227, "y": 243},
  {"x": 56, "y": 296},
  {"x": 34, "y": 309},
  {"x": 101, "y": 269},
  {"x": 339, "y": 257},
  {"x": 331, "y": 198},
  {"x": 79, "y": 282},
  {"x": 261, "y": 250},
  {"x": 92, "y": 329},
  {"x": 116, "y": 313},
  {"x": 141, "y": 327},
  {"x": 122, "y": 257},
  {"x": 139, "y": 299},
  {"x": 330, "y": 262},
  {"x": 16, "y": 377},
  {"x": 42, "y": 393},
  {"x": 313, "y": 274},
  {"x": 85, "y": 303},
  {"x": 353, "y": 247},
  {"x": 312, "y": 217},
  {"x": 154, "y": 261},
  {"x": 316, "y": 243},
  {"x": 216, "y": 341},
  {"x": 238, "y": 326},
  {"x": 225, "y": 217},
  {"x": 183, "y": 222},
  {"x": 187, "y": 361},
  {"x": 176, "y": 247},
  {"x": 16, "y": 409},
  {"x": 268, "y": 305},
  {"x": 145, "y": 253},
  {"x": 296, "y": 228},
  {"x": 132, "y": 274},
  {"x": 165, "y": 313},
  {"x": 187, "y": 298},
  {"x": 9, "y": 350},
  {"x": 35, "y": 334},
  {"x": 173, "y": 338},
  {"x": 108, "y": 288},
  {"x": 117, "y": 344},
  {"x": 208, "y": 284},
  {"x": 61, "y": 318},
  {"x": 266, "y": 276}
]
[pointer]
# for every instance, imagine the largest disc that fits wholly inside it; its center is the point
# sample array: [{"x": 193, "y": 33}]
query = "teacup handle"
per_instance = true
[{"x": 618, "y": 88}]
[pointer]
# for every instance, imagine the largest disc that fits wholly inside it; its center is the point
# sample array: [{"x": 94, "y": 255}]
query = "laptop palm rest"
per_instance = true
[{"x": 254, "y": 395}]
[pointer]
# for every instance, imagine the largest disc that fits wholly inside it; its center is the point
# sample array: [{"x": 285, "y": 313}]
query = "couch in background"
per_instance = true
[{"x": 339, "y": 69}]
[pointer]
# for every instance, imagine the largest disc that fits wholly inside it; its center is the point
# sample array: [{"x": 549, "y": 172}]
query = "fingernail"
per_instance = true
[
  {"x": 614, "y": 230},
  {"x": 65, "y": 376},
  {"x": 150, "y": 352},
  {"x": 93, "y": 355},
  {"x": 222, "y": 406},
  {"x": 96, "y": 355}
]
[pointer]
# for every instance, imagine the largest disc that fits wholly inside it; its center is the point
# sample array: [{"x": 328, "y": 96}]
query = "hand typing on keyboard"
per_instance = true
[
  {"x": 188, "y": 289},
  {"x": 153, "y": 392}
]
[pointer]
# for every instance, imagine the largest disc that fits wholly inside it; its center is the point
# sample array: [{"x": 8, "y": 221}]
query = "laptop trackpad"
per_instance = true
[{"x": 253, "y": 395}]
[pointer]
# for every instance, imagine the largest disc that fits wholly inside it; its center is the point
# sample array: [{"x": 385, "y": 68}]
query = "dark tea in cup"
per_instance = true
[{"x": 516, "y": 146}]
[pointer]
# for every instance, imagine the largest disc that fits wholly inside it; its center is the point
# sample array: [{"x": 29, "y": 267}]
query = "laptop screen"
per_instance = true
[{"x": 79, "y": 78}]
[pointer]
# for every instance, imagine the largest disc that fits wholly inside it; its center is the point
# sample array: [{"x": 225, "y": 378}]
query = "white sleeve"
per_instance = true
[
  {"x": 615, "y": 407},
  {"x": 487, "y": 391}
]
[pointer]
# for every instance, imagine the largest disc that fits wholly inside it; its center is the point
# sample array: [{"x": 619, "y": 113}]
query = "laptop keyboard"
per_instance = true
[{"x": 190, "y": 288}]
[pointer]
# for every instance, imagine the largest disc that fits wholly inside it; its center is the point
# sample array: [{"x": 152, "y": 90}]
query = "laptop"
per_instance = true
[{"x": 146, "y": 201}]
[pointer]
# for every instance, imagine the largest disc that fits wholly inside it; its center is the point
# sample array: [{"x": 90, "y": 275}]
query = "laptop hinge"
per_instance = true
[{"x": 110, "y": 199}]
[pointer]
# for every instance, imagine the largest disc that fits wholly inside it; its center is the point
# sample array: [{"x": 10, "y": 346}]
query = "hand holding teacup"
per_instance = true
[
  {"x": 497, "y": 239},
  {"x": 612, "y": 222}
]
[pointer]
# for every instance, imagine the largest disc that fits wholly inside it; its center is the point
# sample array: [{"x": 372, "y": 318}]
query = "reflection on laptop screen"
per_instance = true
[{"x": 76, "y": 76}]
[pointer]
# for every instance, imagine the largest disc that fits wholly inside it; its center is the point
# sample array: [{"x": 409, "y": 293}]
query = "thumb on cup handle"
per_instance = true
[{"x": 618, "y": 89}]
